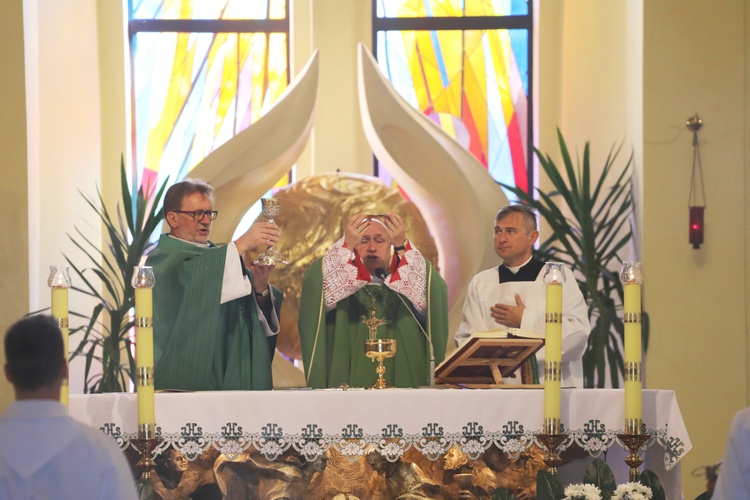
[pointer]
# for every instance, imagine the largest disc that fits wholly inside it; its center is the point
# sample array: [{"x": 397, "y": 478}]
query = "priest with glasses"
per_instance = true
[{"x": 215, "y": 320}]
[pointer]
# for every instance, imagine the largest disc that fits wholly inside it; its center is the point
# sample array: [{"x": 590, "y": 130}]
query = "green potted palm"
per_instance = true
[
  {"x": 105, "y": 336},
  {"x": 590, "y": 222}
]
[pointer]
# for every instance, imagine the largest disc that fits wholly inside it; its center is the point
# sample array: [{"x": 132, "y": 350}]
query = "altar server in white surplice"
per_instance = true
[{"x": 513, "y": 295}]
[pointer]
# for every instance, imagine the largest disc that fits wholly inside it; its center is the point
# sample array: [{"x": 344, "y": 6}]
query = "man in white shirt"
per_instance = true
[
  {"x": 734, "y": 474},
  {"x": 513, "y": 295},
  {"x": 45, "y": 453}
]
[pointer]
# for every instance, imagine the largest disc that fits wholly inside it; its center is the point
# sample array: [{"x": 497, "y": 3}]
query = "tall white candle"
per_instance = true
[
  {"x": 554, "y": 277},
  {"x": 632, "y": 278},
  {"x": 143, "y": 282},
  {"x": 59, "y": 282}
]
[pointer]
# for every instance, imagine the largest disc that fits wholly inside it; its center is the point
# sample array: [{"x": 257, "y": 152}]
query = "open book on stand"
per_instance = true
[{"x": 487, "y": 358}]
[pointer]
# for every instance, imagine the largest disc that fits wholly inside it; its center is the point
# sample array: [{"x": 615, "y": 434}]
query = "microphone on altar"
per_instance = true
[{"x": 380, "y": 273}]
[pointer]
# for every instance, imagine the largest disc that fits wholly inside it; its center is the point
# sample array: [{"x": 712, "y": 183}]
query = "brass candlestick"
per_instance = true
[
  {"x": 633, "y": 442},
  {"x": 145, "y": 446},
  {"x": 551, "y": 443}
]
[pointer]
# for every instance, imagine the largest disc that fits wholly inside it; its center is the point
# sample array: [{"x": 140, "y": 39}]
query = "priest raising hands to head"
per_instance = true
[
  {"x": 215, "y": 320},
  {"x": 372, "y": 237},
  {"x": 513, "y": 295},
  {"x": 372, "y": 269}
]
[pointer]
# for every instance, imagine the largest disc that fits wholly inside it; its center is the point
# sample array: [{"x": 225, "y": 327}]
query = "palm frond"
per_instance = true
[
  {"x": 126, "y": 237},
  {"x": 589, "y": 241}
]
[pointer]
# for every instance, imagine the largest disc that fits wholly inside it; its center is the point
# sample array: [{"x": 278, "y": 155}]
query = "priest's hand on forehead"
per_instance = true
[
  {"x": 395, "y": 227},
  {"x": 355, "y": 228}
]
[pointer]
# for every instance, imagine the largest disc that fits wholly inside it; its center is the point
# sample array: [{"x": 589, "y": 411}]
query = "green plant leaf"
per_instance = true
[
  {"x": 548, "y": 487},
  {"x": 590, "y": 219},
  {"x": 599, "y": 474},
  {"x": 106, "y": 278},
  {"x": 650, "y": 479}
]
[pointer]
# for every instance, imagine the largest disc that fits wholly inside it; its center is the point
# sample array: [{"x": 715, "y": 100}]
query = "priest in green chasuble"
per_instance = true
[
  {"x": 215, "y": 320},
  {"x": 356, "y": 276}
]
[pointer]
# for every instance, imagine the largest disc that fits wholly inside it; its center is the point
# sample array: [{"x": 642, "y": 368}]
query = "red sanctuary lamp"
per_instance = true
[{"x": 696, "y": 201}]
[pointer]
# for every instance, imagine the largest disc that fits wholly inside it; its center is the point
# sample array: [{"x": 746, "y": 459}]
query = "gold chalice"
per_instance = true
[
  {"x": 380, "y": 349},
  {"x": 271, "y": 210}
]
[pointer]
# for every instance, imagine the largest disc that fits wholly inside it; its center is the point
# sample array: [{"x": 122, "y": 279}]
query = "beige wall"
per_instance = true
[
  {"x": 589, "y": 73},
  {"x": 694, "y": 61},
  {"x": 338, "y": 140},
  {"x": 65, "y": 137},
  {"x": 14, "y": 263},
  {"x": 114, "y": 96}
]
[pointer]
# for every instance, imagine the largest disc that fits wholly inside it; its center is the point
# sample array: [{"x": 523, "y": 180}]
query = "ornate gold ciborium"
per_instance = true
[
  {"x": 271, "y": 210},
  {"x": 380, "y": 349}
]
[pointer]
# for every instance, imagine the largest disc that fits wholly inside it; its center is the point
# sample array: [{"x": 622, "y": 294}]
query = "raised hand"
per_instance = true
[
  {"x": 260, "y": 233},
  {"x": 354, "y": 230},
  {"x": 395, "y": 227}
]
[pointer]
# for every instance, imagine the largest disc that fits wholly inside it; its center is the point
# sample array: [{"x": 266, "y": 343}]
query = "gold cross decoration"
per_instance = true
[{"x": 373, "y": 323}]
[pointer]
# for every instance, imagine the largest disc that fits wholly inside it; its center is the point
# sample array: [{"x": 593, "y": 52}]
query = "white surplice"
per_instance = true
[{"x": 485, "y": 290}]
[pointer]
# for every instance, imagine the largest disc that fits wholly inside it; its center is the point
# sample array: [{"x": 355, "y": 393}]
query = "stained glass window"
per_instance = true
[
  {"x": 202, "y": 71},
  {"x": 466, "y": 64}
]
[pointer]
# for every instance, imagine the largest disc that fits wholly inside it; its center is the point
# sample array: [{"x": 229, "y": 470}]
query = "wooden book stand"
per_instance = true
[{"x": 486, "y": 358}]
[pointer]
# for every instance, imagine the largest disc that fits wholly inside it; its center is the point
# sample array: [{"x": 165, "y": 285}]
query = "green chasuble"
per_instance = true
[
  {"x": 200, "y": 344},
  {"x": 333, "y": 347}
]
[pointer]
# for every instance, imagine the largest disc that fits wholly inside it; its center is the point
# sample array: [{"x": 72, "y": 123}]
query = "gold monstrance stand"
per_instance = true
[{"x": 378, "y": 349}]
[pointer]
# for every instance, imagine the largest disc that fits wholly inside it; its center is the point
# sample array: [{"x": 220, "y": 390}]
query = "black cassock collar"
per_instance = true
[{"x": 528, "y": 272}]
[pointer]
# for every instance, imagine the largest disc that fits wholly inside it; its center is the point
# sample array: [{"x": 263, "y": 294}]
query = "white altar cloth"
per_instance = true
[{"x": 430, "y": 420}]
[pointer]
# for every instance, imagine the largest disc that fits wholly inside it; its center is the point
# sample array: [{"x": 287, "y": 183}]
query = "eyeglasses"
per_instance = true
[{"x": 199, "y": 214}]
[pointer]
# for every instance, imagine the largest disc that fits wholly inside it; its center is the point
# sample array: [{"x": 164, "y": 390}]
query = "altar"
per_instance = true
[{"x": 490, "y": 431}]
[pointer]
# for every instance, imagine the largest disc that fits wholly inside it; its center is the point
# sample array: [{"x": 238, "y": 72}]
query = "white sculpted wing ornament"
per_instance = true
[
  {"x": 456, "y": 195},
  {"x": 249, "y": 164}
]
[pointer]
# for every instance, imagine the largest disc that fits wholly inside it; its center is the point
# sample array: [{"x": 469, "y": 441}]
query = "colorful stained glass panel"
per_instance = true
[
  {"x": 474, "y": 83},
  {"x": 195, "y": 91},
  {"x": 208, "y": 9},
  {"x": 468, "y": 72},
  {"x": 450, "y": 8}
]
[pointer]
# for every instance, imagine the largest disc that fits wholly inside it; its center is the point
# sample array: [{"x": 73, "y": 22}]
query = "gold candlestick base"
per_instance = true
[
  {"x": 633, "y": 442},
  {"x": 145, "y": 446},
  {"x": 552, "y": 442}
]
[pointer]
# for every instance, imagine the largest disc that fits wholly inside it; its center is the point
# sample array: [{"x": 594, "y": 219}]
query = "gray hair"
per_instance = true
[{"x": 526, "y": 212}]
